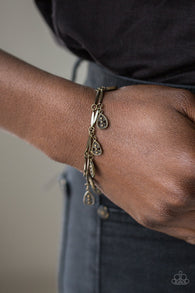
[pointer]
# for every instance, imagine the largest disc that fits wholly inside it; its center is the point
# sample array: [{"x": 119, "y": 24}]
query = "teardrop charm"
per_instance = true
[
  {"x": 96, "y": 148},
  {"x": 88, "y": 198},
  {"x": 102, "y": 121},
  {"x": 91, "y": 169}
]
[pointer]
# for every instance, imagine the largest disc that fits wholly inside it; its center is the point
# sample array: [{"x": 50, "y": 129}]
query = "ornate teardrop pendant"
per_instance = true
[
  {"x": 96, "y": 148},
  {"x": 88, "y": 198},
  {"x": 102, "y": 121}
]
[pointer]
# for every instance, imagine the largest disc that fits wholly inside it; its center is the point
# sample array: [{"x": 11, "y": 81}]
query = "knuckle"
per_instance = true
[
  {"x": 179, "y": 194},
  {"x": 179, "y": 200}
]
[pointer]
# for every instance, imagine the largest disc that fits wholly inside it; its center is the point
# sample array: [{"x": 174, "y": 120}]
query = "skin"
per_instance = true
[{"x": 148, "y": 162}]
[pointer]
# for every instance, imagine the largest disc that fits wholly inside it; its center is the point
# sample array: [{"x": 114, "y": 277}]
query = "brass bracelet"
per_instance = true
[{"x": 93, "y": 147}]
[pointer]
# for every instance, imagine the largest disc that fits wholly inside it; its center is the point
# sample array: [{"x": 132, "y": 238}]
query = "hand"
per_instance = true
[{"x": 148, "y": 162}]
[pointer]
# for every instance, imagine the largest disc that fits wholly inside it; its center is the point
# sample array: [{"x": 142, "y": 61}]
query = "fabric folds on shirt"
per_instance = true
[{"x": 146, "y": 39}]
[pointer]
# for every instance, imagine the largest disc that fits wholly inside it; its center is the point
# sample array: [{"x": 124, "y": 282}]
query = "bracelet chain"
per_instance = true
[{"x": 93, "y": 147}]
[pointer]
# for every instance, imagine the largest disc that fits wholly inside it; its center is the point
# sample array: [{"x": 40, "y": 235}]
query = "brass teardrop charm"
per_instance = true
[
  {"x": 102, "y": 121},
  {"x": 88, "y": 198},
  {"x": 91, "y": 168},
  {"x": 96, "y": 148}
]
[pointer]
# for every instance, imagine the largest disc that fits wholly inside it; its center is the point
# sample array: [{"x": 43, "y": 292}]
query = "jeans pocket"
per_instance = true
[{"x": 66, "y": 193}]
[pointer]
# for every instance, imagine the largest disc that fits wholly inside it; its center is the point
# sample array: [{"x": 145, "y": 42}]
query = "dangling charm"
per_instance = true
[
  {"x": 102, "y": 121},
  {"x": 88, "y": 198},
  {"x": 93, "y": 147},
  {"x": 96, "y": 148}
]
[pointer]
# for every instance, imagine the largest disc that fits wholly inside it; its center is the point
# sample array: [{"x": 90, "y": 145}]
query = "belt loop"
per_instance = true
[{"x": 75, "y": 69}]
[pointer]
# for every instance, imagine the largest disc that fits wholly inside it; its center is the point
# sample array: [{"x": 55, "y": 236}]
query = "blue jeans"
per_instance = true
[{"x": 104, "y": 250}]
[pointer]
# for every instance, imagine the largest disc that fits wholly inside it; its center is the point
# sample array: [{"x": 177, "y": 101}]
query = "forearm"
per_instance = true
[{"x": 43, "y": 109}]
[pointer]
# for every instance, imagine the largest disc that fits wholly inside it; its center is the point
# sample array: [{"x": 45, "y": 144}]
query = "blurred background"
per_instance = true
[{"x": 30, "y": 196}]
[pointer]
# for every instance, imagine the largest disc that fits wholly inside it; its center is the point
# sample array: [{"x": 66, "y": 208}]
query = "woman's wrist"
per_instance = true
[
  {"x": 68, "y": 121},
  {"x": 59, "y": 124},
  {"x": 49, "y": 112}
]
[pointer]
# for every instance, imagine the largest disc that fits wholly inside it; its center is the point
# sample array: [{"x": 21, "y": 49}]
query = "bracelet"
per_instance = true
[{"x": 93, "y": 147}]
